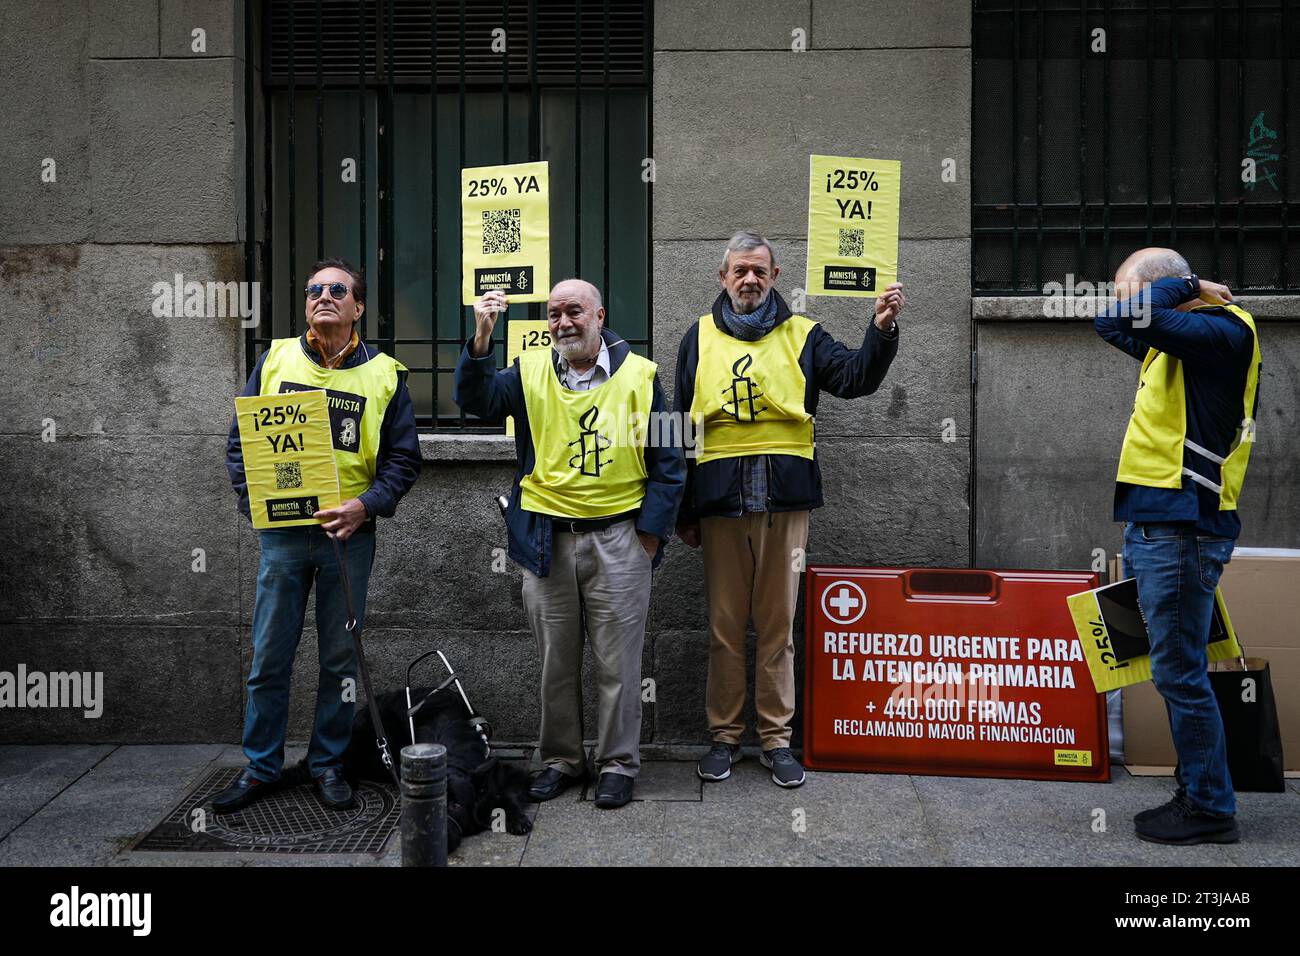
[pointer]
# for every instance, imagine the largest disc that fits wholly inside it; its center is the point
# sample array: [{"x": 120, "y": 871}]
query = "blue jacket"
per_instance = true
[
  {"x": 492, "y": 395},
  {"x": 1216, "y": 349},
  {"x": 398, "y": 463},
  {"x": 794, "y": 483}
]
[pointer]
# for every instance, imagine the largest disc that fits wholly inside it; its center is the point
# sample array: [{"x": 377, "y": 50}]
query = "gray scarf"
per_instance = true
[{"x": 750, "y": 326}]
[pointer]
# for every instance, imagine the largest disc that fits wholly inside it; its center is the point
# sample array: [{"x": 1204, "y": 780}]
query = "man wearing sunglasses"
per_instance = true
[{"x": 377, "y": 451}]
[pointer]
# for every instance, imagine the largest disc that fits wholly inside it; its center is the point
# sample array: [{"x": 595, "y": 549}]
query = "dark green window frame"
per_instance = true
[{"x": 367, "y": 71}]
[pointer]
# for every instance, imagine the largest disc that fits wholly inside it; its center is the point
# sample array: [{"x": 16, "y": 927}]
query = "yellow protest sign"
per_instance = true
[
  {"x": 288, "y": 457},
  {"x": 522, "y": 335},
  {"x": 1113, "y": 633},
  {"x": 852, "y": 225},
  {"x": 506, "y": 231}
]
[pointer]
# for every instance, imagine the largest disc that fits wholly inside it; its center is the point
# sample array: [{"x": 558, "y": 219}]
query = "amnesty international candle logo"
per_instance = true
[
  {"x": 591, "y": 444},
  {"x": 346, "y": 411},
  {"x": 348, "y": 433},
  {"x": 744, "y": 393}
]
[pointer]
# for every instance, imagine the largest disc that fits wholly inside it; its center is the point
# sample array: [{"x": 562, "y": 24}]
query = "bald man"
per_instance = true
[
  {"x": 595, "y": 499},
  {"x": 1181, "y": 471}
]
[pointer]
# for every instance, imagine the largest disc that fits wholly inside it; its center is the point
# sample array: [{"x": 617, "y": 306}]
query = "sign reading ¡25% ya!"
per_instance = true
[
  {"x": 522, "y": 335},
  {"x": 852, "y": 225},
  {"x": 288, "y": 457}
]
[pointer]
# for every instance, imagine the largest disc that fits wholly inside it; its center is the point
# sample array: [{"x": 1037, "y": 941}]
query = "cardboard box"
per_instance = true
[{"x": 1261, "y": 588}]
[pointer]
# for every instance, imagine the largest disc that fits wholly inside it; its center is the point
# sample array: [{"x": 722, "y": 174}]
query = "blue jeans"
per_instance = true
[
  {"x": 291, "y": 559},
  {"x": 1177, "y": 571}
]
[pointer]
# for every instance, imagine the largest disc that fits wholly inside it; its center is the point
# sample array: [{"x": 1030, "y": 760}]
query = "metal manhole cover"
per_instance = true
[{"x": 292, "y": 820}]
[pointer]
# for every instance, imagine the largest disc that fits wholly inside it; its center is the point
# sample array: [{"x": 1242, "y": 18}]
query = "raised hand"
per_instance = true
[
  {"x": 486, "y": 310},
  {"x": 888, "y": 304}
]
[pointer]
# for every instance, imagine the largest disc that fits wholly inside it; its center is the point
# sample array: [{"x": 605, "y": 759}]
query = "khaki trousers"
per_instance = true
[
  {"x": 607, "y": 574},
  {"x": 750, "y": 571}
]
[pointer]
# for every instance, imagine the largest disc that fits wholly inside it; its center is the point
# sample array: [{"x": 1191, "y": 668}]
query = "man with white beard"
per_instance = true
[{"x": 592, "y": 507}]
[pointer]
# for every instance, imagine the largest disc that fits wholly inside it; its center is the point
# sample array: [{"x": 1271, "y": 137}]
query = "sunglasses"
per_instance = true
[{"x": 337, "y": 290}]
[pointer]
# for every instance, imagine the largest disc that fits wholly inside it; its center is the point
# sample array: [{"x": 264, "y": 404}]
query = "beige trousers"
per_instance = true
[
  {"x": 751, "y": 571},
  {"x": 607, "y": 575}
]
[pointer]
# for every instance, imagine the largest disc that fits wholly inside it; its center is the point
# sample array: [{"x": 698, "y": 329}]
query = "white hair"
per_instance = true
[
  {"x": 746, "y": 241},
  {"x": 593, "y": 293},
  {"x": 1160, "y": 264}
]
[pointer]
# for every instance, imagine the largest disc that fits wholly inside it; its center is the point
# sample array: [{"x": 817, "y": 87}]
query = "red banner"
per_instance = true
[{"x": 951, "y": 672}]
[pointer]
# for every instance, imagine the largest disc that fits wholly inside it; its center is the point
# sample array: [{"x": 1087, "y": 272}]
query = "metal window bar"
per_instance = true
[
  {"x": 648, "y": 31},
  {"x": 382, "y": 68},
  {"x": 387, "y": 194},
  {"x": 433, "y": 200},
  {"x": 363, "y": 238},
  {"x": 577, "y": 143},
  {"x": 460, "y": 142},
  {"x": 1241, "y": 104},
  {"x": 251, "y": 270},
  {"x": 291, "y": 285},
  {"x": 605, "y": 144},
  {"x": 320, "y": 141},
  {"x": 1286, "y": 106},
  {"x": 1022, "y": 240}
]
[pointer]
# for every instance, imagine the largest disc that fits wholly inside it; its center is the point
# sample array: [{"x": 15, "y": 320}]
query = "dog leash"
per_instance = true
[{"x": 381, "y": 740}]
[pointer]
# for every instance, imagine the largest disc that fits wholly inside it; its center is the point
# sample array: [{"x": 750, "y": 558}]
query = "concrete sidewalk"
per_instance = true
[{"x": 85, "y": 805}]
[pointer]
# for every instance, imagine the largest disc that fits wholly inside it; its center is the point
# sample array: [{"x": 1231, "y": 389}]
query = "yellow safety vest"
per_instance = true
[
  {"x": 357, "y": 397},
  {"x": 749, "y": 396},
  {"x": 588, "y": 447},
  {"x": 1157, "y": 452}
]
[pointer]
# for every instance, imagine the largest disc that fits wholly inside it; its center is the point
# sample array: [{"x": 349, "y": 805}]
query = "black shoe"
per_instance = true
[
  {"x": 716, "y": 764},
  {"x": 334, "y": 790},
  {"x": 242, "y": 792},
  {"x": 1179, "y": 794},
  {"x": 613, "y": 790},
  {"x": 786, "y": 771},
  {"x": 1181, "y": 824},
  {"x": 550, "y": 783}
]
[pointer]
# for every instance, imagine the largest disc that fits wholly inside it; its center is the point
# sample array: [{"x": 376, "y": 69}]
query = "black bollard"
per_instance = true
[{"x": 424, "y": 805}]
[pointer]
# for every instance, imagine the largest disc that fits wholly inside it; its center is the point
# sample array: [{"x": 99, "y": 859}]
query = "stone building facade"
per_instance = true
[{"x": 122, "y": 550}]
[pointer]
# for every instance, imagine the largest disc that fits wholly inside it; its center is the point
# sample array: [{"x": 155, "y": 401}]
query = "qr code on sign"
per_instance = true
[
  {"x": 288, "y": 474},
  {"x": 500, "y": 231},
  {"x": 851, "y": 242}
]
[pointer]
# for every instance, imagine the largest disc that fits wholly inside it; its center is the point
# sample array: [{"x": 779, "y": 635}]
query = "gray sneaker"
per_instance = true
[
  {"x": 716, "y": 764},
  {"x": 786, "y": 771}
]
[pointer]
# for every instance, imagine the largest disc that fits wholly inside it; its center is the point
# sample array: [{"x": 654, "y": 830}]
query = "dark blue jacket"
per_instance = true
[
  {"x": 794, "y": 483},
  {"x": 1216, "y": 349},
  {"x": 492, "y": 395},
  {"x": 398, "y": 463}
]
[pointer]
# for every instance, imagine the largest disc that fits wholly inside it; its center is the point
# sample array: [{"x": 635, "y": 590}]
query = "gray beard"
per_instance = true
[
  {"x": 736, "y": 307},
  {"x": 588, "y": 346}
]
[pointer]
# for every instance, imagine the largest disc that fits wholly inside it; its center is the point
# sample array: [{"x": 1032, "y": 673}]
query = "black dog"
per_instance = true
[{"x": 478, "y": 785}]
